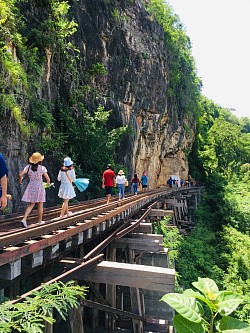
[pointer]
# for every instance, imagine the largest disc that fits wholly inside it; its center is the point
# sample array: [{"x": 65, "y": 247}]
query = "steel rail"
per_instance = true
[
  {"x": 33, "y": 231},
  {"x": 8, "y": 222},
  {"x": 15, "y": 245},
  {"x": 31, "y": 240},
  {"x": 133, "y": 226},
  {"x": 118, "y": 233},
  {"x": 13, "y": 221}
]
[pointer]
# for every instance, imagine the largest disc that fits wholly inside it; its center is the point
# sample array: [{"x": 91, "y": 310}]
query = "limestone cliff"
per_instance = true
[
  {"x": 124, "y": 37},
  {"x": 133, "y": 48}
]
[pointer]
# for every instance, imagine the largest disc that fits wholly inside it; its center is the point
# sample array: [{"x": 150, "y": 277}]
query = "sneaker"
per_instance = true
[
  {"x": 24, "y": 222},
  {"x": 42, "y": 222}
]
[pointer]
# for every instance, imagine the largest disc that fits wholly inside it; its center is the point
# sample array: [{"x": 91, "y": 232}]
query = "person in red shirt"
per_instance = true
[{"x": 108, "y": 181}]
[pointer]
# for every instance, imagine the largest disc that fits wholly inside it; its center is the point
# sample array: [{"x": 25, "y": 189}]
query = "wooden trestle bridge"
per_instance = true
[{"x": 109, "y": 248}]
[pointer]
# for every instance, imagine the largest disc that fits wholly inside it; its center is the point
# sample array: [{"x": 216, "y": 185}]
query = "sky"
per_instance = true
[{"x": 219, "y": 32}]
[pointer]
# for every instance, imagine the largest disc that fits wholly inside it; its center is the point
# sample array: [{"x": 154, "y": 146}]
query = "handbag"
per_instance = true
[{"x": 126, "y": 182}]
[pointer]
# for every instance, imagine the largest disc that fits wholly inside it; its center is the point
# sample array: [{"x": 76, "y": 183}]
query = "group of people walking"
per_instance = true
[
  {"x": 176, "y": 183},
  {"x": 35, "y": 190},
  {"x": 110, "y": 180}
]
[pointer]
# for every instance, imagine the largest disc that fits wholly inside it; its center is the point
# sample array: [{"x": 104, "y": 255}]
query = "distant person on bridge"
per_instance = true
[
  {"x": 135, "y": 182},
  {"x": 3, "y": 182},
  {"x": 35, "y": 191},
  {"x": 170, "y": 182},
  {"x": 144, "y": 181},
  {"x": 108, "y": 181},
  {"x": 66, "y": 191}
]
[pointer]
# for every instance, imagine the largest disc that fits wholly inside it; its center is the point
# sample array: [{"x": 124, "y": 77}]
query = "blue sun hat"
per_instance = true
[{"x": 67, "y": 162}]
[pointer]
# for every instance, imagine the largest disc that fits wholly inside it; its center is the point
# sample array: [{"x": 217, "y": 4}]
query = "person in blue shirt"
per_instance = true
[
  {"x": 3, "y": 182},
  {"x": 144, "y": 181}
]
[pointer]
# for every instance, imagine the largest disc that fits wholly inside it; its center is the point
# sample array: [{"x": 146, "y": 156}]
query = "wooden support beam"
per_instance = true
[
  {"x": 136, "y": 308},
  {"x": 149, "y": 245},
  {"x": 178, "y": 204},
  {"x": 170, "y": 201},
  {"x": 147, "y": 236},
  {"x": 144, "y": 227},
  {"x": 51, "y": 252},
  {"x": 184, "y": 222},
  {"x": 99, "y": 297},
  {"x": 76, "y": 320},
  {"x": 112, "y": 310},
  {"x": 11, "y": 271},
  {"x": 151, "y": 325},
  {"x": 110, "y": 291},
  {"x": 161, "y": 212},
  {"x": 131, "y": 275}
]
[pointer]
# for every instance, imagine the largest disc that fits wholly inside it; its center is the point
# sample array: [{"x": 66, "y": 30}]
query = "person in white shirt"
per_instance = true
[{"x": 120, "y": 181}]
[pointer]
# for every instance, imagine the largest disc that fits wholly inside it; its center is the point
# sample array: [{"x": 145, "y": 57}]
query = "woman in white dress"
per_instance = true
[{"x": 66, "y": 191}]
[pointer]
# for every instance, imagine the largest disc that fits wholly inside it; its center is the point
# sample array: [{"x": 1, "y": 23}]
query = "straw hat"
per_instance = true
[
  {"x": 36, "y": 158},
  {"x": 121, "y": 173},
  {"x": 67, "y": 162}
]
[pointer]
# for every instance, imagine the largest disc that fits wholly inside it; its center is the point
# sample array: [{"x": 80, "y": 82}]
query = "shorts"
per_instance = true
[
  {"x": 144, "y": 186},
  {"x": 108, "y": 189}
]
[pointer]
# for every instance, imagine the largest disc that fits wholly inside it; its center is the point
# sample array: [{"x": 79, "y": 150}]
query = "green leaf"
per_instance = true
[
  {"x": 197, "y": 295},
  {"x": 182, "y": 325},
  {"x": 186, "y": 306},
  {"x": 227, "y": 302},
  {"x": 231, "y": 325},
  {"x": 208, "y": 287},
  {"x": 191, "y": 293}
]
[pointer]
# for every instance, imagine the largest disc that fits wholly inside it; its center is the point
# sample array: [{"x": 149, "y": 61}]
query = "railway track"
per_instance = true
[
  {"x": 13, "y": 221},
  {"x": 72, "y": 247},
  {"x": 18, "y": 242}
]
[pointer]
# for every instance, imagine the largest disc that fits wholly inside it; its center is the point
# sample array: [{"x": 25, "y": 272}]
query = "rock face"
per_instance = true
[
  {"x": 122, "y": 36},
  {"x": 132, "y": 47}
]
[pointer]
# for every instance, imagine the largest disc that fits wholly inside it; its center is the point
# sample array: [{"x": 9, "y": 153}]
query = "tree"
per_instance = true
[
  {"x": 191, "y": 316},
  {"x": 29, "y": 316}
]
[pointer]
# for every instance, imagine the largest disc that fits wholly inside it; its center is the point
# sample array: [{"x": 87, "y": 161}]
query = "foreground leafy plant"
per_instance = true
[
  {"x": 29, "y": 316},
  {"x": 191, "y": 316}
]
